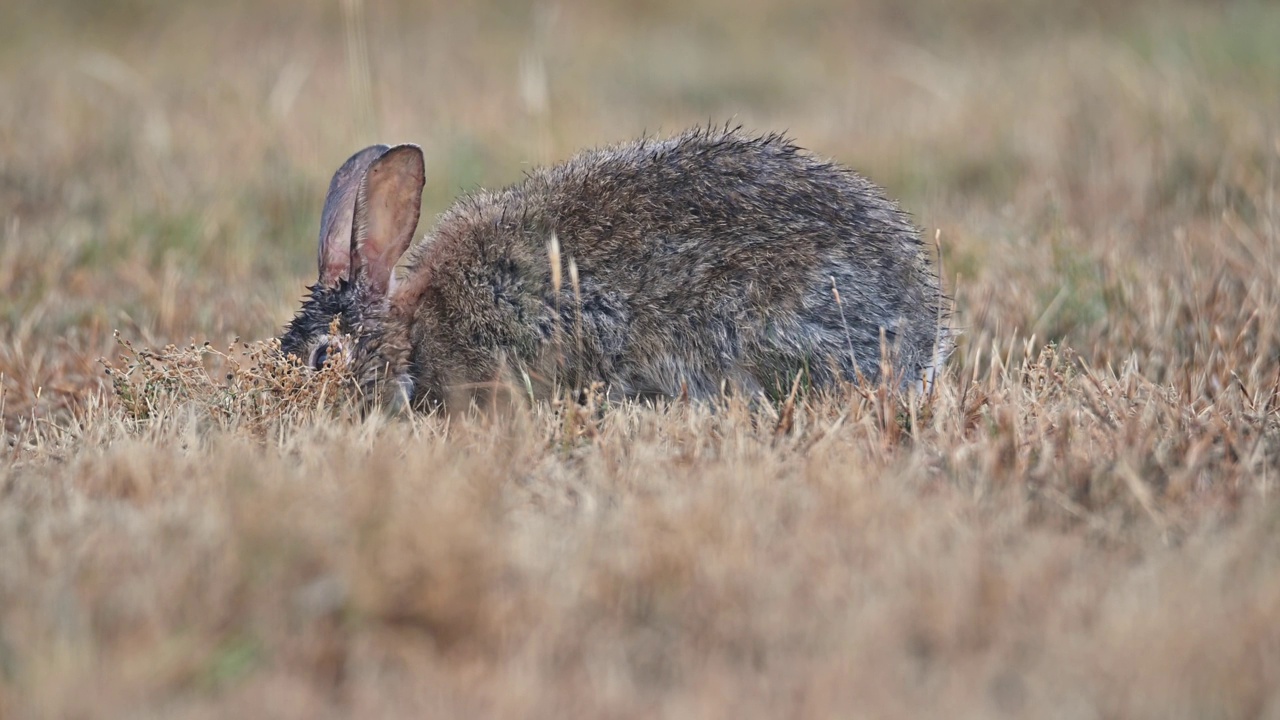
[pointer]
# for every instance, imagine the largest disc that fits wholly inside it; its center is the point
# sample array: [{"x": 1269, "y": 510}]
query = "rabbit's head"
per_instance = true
[{"x": 369, "y": 218}]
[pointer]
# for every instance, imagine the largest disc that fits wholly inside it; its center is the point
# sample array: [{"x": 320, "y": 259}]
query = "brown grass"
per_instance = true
[{"x": 1079, "y": 522}]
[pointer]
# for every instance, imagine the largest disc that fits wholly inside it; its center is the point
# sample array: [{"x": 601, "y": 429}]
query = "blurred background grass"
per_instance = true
[
  {"x": 1049, "y": 538},
  {"x": 162, "y": 165}
]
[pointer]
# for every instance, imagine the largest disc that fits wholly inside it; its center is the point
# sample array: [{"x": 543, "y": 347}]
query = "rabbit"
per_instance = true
[{"x": 708, "y": 262}]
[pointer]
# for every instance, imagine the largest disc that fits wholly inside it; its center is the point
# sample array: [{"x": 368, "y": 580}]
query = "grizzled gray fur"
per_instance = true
[{"x": 707, "y": 262}]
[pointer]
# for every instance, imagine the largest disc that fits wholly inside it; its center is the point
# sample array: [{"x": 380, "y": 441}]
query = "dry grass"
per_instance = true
[{"x": 1079, "y": 522}]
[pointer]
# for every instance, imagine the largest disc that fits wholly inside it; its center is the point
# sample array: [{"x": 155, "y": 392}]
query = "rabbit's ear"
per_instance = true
[
  {"x": 339, "y": 210},
  {"x": 387, "y": 208}
]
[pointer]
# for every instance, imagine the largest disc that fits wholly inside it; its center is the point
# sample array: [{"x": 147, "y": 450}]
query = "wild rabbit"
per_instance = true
[{"x": 708, "y": 262}]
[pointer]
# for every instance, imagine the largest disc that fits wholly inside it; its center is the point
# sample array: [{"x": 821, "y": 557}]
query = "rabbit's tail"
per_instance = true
[{"x": 944, "y": 343}]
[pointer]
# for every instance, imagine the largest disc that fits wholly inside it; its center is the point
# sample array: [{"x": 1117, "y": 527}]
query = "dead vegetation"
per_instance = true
[{"x": 1078, "y": 521}]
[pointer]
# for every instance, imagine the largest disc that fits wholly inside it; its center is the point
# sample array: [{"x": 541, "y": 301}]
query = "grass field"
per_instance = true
[{"x": 1080, "y": 522}]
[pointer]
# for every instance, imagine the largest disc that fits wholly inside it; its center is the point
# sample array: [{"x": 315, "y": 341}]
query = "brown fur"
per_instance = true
[{"x": 711, "y": 260}]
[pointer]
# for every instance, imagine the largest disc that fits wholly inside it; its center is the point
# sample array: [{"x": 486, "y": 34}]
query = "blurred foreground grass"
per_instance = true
[{"x": 1081, "y": 530}]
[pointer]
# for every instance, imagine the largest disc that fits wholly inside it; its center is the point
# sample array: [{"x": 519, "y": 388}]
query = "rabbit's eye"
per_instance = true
[{"x": 320, "y": 355}]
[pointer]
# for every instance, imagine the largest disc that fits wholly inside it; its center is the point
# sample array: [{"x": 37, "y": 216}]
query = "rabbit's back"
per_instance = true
[{"x": 707, "y": 258}]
